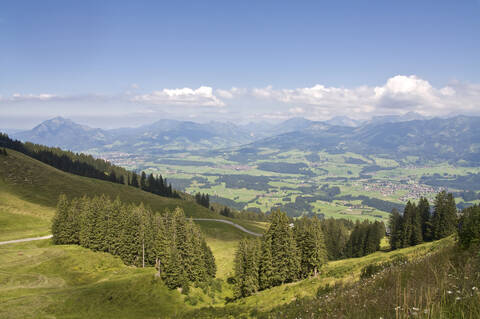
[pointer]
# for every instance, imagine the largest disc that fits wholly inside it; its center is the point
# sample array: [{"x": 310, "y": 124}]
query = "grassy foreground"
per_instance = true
[{"x": 39, "y": 280}]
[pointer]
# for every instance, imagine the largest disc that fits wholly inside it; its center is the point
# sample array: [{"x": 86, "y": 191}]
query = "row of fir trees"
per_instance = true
[
  {"x": 169, "y": 241},
  {"x": 418, "y": 223},
  {"x": 202, "y": 199},
  {"x": 152, "y": 184}
]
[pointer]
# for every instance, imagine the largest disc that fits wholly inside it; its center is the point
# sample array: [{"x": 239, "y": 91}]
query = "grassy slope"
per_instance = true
[
  {"x": 345, "y": 271},
  {"x": 29, "y": 191},
  {"x": 38, "y": 183},
  {"x": 40, "y": 280}
]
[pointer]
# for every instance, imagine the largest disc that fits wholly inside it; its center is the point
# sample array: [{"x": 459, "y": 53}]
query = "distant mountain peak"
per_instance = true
[{"x": 343, "y": 121}]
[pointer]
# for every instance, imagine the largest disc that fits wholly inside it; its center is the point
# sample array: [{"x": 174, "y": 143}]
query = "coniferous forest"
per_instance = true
[
  {"x": 292, "y": 251},
  {"x": 418, "y": 224},
  {"x": 168, "y": 241}
]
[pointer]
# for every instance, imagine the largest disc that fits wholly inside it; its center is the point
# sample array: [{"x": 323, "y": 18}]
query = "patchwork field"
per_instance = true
[{"x": 344, "y": 185}]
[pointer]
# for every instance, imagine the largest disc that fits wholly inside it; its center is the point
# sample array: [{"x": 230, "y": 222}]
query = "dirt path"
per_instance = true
[{"x": 24, "y": 239}]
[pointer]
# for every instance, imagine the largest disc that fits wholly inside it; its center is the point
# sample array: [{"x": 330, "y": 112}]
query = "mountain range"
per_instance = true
[{"x": 456, "y": 138}]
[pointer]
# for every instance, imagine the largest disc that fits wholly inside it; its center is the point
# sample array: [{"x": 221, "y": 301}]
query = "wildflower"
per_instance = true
[
  {"x": 474, "y": 288},
  {"x": 458, "y": 298},
  {"x": 449, "y": 292},
  {"x": 415, "y": 309}
]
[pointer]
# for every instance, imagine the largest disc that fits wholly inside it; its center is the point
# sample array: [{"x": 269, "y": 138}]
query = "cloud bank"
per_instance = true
[
  {"x": 203, "y": 96},
  {"x": 399, "y": 94}
]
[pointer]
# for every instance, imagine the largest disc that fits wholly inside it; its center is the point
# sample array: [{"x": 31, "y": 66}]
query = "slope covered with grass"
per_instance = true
[
  {"x": 39, "y": 280},
  {"x": 283, "y": 301},
  {"x": 29, "y": 191},
  {"x": 38, "y": 183}
]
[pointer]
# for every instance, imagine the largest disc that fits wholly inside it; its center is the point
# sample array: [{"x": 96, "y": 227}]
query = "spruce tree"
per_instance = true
[
  {"x": 143, "y": 181},
  {"x": 395, "y": 224},
  {"x": 425, "y": 216},
  {"x": 311, "y": 245},
  {"x": 417, "y": 236},
  {"x": 134, "y": 181},
  {"x": 59, "y": 233},
  {"x": 266, "y": 269},
  {"x": 407, "y": 226},
  {"x": 444, "y": 215}
]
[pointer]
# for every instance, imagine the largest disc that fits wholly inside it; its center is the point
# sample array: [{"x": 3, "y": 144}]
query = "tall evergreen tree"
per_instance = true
[
  {"x": 59, "y": 222},
  {"x": 425, "y": 216},
  {"x": 134, "y": 180},
  {"x": 311, "y": 245},
  {"x": 246, "y": 267},
  {"x": 143, "y": 181},
  {"x": 444, "y": 215},
  {"x": 395, "y": 224},
  {"x": 284, "y": 255}
]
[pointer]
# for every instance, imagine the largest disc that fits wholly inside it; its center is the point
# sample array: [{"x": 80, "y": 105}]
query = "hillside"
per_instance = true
[
  {"x": 41, "y": 184},
  {"x": 43, "y": 280}
]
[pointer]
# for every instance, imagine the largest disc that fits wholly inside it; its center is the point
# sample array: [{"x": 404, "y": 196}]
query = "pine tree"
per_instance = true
[
  {"x": 395, "y": 225},
  {"x": 311, "y": 245},
  {"x": 417, "y": 236},
  {"x": 469, "y": 227},
  {"x": 143, "y": 181},
  {"x": 279, "y": 247},
  {"x": 59, "y": 233},
  {"x": 336, "y": 236},
  {"x": 425, "y": 216},
  {"x": 266, "y": 268},
  {"x": 134, "y": 181},
  {"x": 444, "y": 215},
  {"x": 209, "y": 259},
  {"x": 407, "y": 226}
]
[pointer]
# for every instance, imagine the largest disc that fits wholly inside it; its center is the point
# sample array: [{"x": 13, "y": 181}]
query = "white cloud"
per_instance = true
[
  {"x": 17, "y": 97},
  {"x": 232, "y": 93},
  {"x": 203, "y": 96},
  {"x": 400, "y": 94}
]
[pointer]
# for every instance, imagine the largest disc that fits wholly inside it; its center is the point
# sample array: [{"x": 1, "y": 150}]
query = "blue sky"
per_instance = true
[{"x": 181, "y": 59}]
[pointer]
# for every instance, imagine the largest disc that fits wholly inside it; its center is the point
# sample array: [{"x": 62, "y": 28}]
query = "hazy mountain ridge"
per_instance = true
[{"x": 456, "y": 138}]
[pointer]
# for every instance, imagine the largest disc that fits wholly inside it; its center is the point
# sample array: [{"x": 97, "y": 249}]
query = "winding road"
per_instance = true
[{"x": 197, "y": 219}]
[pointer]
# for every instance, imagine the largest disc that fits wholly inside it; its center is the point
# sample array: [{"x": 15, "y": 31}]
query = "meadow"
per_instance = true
[{"x": 270, "y": 179}]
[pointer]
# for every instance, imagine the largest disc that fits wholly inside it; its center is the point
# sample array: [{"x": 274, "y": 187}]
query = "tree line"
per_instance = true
[
  {"x": 169, "y": 241},
  {"x": 292, "y": 251},
  {"x": 469, "y": 227},
  {"x": 152, "y": 184},
  {"x": 202, "y": 199},
  {"x": 418, "y": 223},
  {"x": 88, "y": 166}
]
